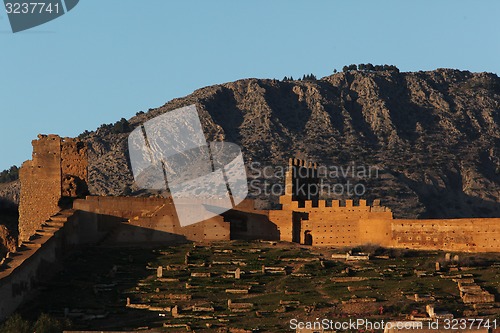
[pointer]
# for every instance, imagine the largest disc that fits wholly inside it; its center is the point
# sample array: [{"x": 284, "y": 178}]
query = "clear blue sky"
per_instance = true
[{"x": 108, "y": 59}]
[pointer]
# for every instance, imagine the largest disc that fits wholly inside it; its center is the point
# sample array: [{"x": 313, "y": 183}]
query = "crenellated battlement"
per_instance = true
[
  {"x": 297, "y": 162},
  {"x": 345, "y": 205}
]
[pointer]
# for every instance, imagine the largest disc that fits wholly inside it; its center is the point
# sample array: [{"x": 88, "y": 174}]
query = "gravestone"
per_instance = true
[{"x": 159, "y": 272}]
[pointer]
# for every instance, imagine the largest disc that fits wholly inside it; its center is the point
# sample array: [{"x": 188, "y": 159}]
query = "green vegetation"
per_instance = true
[
  {"x": 16, "y": 324},
  {"x": 121, "y": 126},
  {"x": 305, "y": 77},
  {"x": 9, "y": 175},
  {"x": 370, "y": 67},
  {"x": 84, "y": 135},
  {"x": 48, "y": 324},
  {"x": 309, "y": 77},
  {"x": 44, "y": 324}
]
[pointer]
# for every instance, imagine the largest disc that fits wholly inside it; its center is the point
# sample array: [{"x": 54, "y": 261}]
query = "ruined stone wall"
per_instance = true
[
  {"x": 38, "y": 259},
  {"x": 40, "y": 185},
  {"x": 58, "y": 169},
  {"x": 74, "y": 168},
  {"x": 18, "y": 280},
  {"x": 332, "y": 224}
]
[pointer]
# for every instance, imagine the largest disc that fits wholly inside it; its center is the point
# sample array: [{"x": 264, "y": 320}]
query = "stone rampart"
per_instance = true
[{"x": 349, "y": 223}]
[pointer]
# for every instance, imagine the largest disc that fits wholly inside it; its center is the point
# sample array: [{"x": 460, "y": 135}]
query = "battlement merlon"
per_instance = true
[
  {"x": 288, "y": 204},
  {"x": 297, "y": 162}
]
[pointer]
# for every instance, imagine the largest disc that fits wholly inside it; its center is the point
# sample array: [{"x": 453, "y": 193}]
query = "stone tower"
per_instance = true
[
  {"x": 57, "y": 172},
  {"x": 301, "y": 181}
]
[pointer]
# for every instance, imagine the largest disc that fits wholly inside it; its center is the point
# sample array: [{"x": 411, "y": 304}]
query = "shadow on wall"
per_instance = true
[
  {"x": 113, "y": 230},
  {"x": 126, "y": 233},
  {"x": 246, "y": 225},
  {"x": 308, "y": 238}
]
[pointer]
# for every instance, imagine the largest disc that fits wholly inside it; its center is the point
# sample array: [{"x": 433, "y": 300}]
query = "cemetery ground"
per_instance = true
[{"x": 238, "y": 286}]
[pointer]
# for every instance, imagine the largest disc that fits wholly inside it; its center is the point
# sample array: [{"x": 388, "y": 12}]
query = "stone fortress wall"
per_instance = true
[
  {"x": 56, "y": 217},
  {"x": 149, "y": 221},
  {"x": 308, "y": 220},
  {"x": 466, "y": 234},
  {"x": 142, "y": 221}
]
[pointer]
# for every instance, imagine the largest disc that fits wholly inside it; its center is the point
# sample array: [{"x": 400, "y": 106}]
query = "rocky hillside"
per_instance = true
[
  {"x": 9, "y": 198},
  {"x": 434, "y": 136},
  {"x": 9, "y": 194},
  {"x": 8, "y": 243}
]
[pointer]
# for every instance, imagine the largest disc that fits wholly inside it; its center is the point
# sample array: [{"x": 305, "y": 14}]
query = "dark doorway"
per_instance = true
[{"x": 296, "y": 223}]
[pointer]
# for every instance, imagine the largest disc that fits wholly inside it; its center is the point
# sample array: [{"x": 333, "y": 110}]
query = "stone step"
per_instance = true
[
  {"x": 46, "y": 231},
  {"x": 47, "y": 226},
  {"x": 54, "y": 224},
  {"x": 59, "y": 218},
  {"x": 53, "y": 228},
  {"x": 62, "y": 215},
  {"x": 32, "y": 245}
]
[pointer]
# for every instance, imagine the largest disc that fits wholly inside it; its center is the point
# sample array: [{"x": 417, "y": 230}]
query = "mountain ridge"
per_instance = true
[{"x": 434, "y": 134}]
